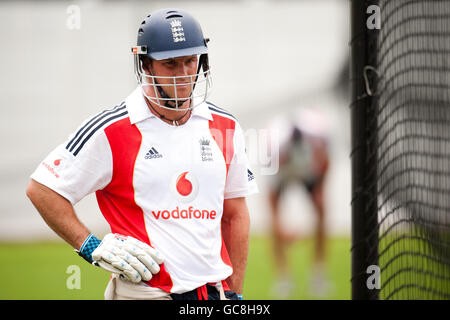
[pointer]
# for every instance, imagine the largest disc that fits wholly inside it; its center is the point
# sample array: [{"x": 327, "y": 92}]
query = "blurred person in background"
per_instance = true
[{"x": 303, "y": 160}]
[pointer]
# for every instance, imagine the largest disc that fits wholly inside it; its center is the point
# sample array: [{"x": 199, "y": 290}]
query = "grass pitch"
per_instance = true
[{"x": 43, "y": 271}]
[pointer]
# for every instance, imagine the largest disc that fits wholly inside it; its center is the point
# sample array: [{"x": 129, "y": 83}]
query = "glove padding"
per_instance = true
[{"x": 132, "y": 259}]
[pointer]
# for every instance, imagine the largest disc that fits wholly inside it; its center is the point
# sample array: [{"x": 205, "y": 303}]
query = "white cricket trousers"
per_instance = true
[{"x": 119, "y": 289}]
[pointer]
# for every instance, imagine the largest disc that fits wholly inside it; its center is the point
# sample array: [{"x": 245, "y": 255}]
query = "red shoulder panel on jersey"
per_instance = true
[{"x": 222, "y": 130}]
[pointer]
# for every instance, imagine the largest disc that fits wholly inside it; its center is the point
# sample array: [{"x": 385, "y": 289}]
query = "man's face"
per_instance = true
[{"x": 183, "y": 68}]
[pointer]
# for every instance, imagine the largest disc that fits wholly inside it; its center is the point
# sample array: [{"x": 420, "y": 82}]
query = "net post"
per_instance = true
[{"x": 364, "y": 228}]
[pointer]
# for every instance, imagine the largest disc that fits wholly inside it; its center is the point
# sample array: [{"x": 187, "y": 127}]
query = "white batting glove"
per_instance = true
[{"x": 132, "y": 259}]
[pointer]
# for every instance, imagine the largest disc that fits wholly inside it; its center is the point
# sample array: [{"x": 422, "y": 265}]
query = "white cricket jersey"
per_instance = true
[{"x": 164, "y": 185}]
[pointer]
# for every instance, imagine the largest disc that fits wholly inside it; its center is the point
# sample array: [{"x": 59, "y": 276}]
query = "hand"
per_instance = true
[{"x": 132, "y": 259}]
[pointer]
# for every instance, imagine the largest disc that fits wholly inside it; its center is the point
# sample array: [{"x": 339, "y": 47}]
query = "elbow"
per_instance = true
[
  {"x": 235, "y": 210},
  {"x": 31, "y": 190},
  {"x": 241, "y": 218}
]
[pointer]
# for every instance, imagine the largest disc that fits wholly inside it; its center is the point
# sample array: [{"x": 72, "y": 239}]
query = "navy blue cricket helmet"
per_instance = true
[{"x": 166, "y": 34}]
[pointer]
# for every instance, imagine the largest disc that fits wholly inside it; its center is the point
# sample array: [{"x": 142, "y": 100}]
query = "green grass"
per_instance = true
[
  {"x": 414, "y": 266},
  {"x": 260, "y": 274},
  {"x": 38, "y": 271}
]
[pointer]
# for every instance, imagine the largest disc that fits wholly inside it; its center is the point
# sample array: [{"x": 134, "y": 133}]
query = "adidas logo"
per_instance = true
[
  {"x": 152, "y": 153},
  {"x": 250, "y": 175}
]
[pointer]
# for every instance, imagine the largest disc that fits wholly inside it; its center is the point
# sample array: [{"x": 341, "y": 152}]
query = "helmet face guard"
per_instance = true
[
  {"x": 200, "y": 83},
  {"x": 166, "y": 34}
]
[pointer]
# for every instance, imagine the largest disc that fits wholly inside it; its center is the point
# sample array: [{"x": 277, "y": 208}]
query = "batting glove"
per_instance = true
[{"x": 132, "y": 259}]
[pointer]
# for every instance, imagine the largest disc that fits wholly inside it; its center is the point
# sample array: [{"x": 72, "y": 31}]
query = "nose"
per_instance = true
[
  {"x": 184, "y": 73},
  {"x": 184, "y": 69}
]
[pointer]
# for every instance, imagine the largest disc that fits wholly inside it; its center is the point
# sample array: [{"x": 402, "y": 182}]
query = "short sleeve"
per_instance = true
[
  {"x": 78, "y": 171},
  {"x": 240, "y": 179}
]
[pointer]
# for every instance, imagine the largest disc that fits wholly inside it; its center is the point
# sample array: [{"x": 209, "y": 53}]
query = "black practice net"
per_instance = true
[{"x": 408, "y": 79}]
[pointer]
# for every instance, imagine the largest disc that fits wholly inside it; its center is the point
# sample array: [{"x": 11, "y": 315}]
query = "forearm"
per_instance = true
[
  {"x": 235, "y": 232},
  {"x": 58, "y": 213}
]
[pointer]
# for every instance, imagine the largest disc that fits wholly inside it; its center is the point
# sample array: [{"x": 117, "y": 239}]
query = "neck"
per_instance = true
[{"x": 171, "y": 117}]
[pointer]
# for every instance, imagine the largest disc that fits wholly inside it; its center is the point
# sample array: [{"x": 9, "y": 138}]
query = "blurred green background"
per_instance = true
[{"x": 39, "y": 271}]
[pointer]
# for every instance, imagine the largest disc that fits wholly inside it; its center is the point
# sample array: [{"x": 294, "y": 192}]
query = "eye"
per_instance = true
[
  {"x": 170, "y": 63},
  {"x": 192, "y": 60}
]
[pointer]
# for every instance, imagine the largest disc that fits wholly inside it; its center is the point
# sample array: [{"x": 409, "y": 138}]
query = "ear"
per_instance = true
[{"x": 146, "y": 64}]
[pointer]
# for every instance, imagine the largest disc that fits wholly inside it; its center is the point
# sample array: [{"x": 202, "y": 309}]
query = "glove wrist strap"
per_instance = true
[{"x": 88, "y": 246}]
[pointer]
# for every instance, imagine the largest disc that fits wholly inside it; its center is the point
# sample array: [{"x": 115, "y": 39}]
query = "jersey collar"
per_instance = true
[{"x": 138, "y": 109}]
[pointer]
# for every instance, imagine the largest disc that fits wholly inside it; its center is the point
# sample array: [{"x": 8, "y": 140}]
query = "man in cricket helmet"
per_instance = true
[{"x": 199, "y": 250}]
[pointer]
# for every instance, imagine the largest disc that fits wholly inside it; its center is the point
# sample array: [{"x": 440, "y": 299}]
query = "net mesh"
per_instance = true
[{"x": 411, "y": 120}]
